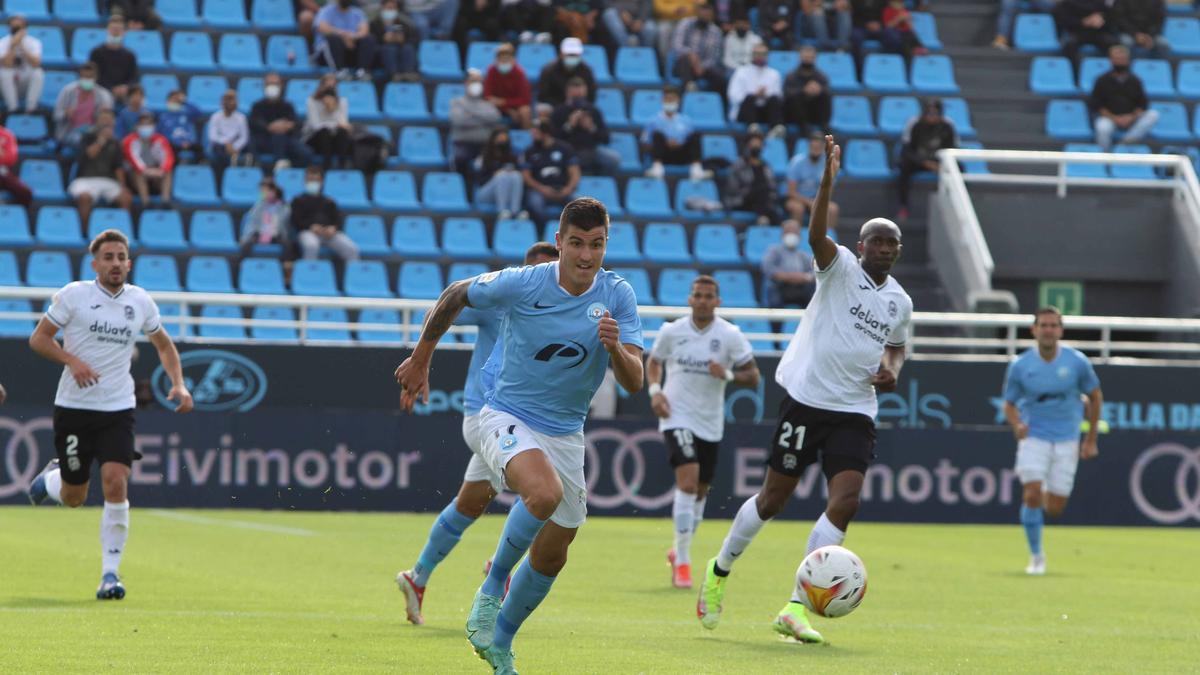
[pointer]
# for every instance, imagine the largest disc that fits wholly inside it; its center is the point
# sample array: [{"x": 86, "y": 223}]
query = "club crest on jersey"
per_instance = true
[
  {"x": 508, "y": 441},
  {"x": 487, "y": 278},
  {"x": 892, "y": 309},
  {"x": 714, "y": 345},
  {"x": 789, "y": 462},
  {"x": 595, "y": 311},
  {"x": 1063, "y": 372},
  {"x": 128, "y": 313}
]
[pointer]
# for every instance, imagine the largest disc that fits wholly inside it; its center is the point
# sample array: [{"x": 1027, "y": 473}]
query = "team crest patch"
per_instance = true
[
  {"x": 789, "y": 461},
  {"x": 128, "y": 313},
  {"x": 1064, "y": 372},
  {"x": 595, "y": 311},
  {"x": 508, "y": 441},
  {"x": 892, "y": 309},
  {"x": 487, "y": 278},
  {"x": 714, "y": 346}
]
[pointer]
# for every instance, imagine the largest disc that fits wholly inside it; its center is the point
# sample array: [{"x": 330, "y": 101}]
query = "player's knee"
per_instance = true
[
  {"x": 73, "y": 499},
  {"x": 542, "y": 501},
  {"x": 114, "y": 488},
  {"x": 769, "y": 504},
  {"x": 843, "y": 508},
  {"x": 688, "y": 485}
]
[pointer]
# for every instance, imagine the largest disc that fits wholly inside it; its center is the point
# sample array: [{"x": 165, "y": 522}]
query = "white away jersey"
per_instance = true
[
  {"x": 697, "y": 398},
  {"x": 100, "y": 328},
  {"x": 838, "y": 347}
]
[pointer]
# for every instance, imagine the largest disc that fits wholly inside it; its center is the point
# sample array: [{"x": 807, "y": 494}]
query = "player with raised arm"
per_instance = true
[
  {"x": 480, "y": 484},
  {"x": 564, "y": 322},
  {"x": 849, "y": 345},
  {"x": 93, "y": 410},
  {"x": 702, "y": 353},
  {"x": 1042, "y": 403}
]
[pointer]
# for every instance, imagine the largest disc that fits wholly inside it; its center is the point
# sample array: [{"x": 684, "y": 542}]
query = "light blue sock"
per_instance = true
[
  {"x": 1033, "y": 519},
  {"x": 519, "y": 531},
  {"x": 444, "y": 535},
  {"x": 529, "y": 587}
]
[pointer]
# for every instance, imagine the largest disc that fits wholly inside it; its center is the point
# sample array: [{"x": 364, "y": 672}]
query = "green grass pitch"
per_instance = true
[{"x": 253, "y": 591}]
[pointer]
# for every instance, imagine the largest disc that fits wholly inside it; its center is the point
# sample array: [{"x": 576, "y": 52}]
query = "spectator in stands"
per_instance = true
[
  {"x": 150, "y": 156},
  {"x": 777, "y": 19},
  {"x": 670, "y": 138},
  {"x": 867, "y": 16},
  {"x": 552, "y": 83},
  {"x": 1084, "y": 22},
  {"x": 318, "y": 220},
  {"x": 576, "y": 18},
  {"x": 397, "y": 36},
  {"x": 116, "y": 66},
  {"x": 532, "y": 20},
  {"x": 266, "y": 221},
  {"x": 344, "y": 41},
  {"x": 630, "y": 22},
  {"x": 817, "y": 13},
  {"x": 1139, "y": 23},
  {"x": 924, "y": 135},
  {"x": 506, "y": 87},
  {"x": 473, "y": 118},
  {"x": 804, "y": 177},
  {"x": 1008, "y": 14},
  {"x": 178, "y": 124},
  {"x": 581, "y": 124},
  {"x": 434, "y": 18},
  {"x": 550, "y": 170},
  {"x": 896, "y": 17},
  {"x": 696, "y": 45},
  {"x": 306, "y": 11},
  {"x": 228, "y": 134},
  {"x": 10, "y": 182},
  {"x": 327, "y": 126},
  {"x": 787, "y": 270},
  {"x": 500, "y": 182},
  {"x": 739, "y": 44},
  {"x": 756, "y": 94},
  {"x": 750, "y": 185},
  {"x": 807, "y": 101},
  {"x": 99, "y": 171},
  {"x": 77, "y": 106},
  {"x": 273, "y": 127},
  {"x": 668, "y": 14},
  {"x": 477, "y": 20},
  {"x": 135, "y": 105},
  {"x": 21, "y": 66},
  {"x": 1119, "y": 102},
  {"x": 138, "y": 14}
]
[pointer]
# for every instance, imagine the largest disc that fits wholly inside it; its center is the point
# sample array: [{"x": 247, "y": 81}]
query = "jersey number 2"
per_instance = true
[
  {"x": 793, "y": 434},
  {"x": 73, "y": 452}
]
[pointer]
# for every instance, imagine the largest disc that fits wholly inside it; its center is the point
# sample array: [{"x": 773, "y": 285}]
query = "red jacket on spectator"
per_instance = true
[
  {"x": 513, "y": 88},
  {"x": 890, "y": 14},
  {"x": 159, "y": 146},
  {"x": 8, "y": 148}
]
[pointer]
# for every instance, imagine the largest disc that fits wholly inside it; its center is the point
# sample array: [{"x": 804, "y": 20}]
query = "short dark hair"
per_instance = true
[
  {"x": 706, "y": 279},
  {"x": 671, "y": 89},
  {"x": 584, "y": 213},
  {"x": 576, "y": 82},
  {"x": 1047, "y": 309},
  {"x": 106, "y": 237},
  {"x": 541, "y": 248},
  {"x": 136, "y": 89},
  {"x": 313, "y": 169},
  {"x": 88, "y": 65}
]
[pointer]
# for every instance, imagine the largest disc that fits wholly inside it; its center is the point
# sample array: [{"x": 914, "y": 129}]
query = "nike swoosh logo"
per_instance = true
[
  {"x": 735, "y": 554},
  {"x": 865, "y": 288},
  {"x": 538, "y": 305},
  {"x": 509, "y": 542},
  {"x": 95, "y": 306}
]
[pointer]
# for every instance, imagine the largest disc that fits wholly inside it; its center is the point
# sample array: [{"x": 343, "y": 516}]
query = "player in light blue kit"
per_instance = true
[
  {"x": 480, "y": 484},
  {"x": 563, "y": 323},
  {"x": 1042, "y": 391}
]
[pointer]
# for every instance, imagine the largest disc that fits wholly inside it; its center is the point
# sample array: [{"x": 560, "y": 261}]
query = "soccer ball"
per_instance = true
[{"x": 831, "y": 581}]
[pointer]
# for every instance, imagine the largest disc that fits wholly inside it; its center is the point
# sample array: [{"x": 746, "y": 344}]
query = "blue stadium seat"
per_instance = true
[
  {"x": 48, "y": 269},
  {"x": 933, "y": 74},
  {"x": 852, "y": 115},
  {"x": 716, "y": 244},
  {"x": 395, "y": 191},
  {"x": 414, "y": 237},
  {"x": 895, "y": 112},
  {"x": 974, "y": 166},
  {"x": 1052, "y": 76},
  {"x": 784, "y": 61},
  {"x": 348, "y": 187},
  {"x": 205, "y": 92},
  {"x": 14, "y": 226},
  {"x": 32, "y": 10},
  {"x": 1035, "y": 33},
  {"x": 213, "y": 231},
  {"x": 705, "y": 109},
  {"x": 866, "y": 158},
  {"x": 158, "y": 87},
  {"x": 208, "y": 274},
  {"x": 640, "y": 280},
  {"x": 314, "y": 277},
  {"x": 511, "y": 238},
  {"x": 239, "y": 185},
  {"x": 1156, "y": 77},
  {"x": 666, "y": 243},
  {"x": 465, "y": 270},
  {"x": 58, "y": 226},
  {"x": 1188, "y": 79},
  {"x": 156, "y": 273},
  {"x": 75, "y": 11},
  {"x": 465, "y": 238},
  {"x": 83, "y": 41},
  {"x": 31, "y": 132},
  {"x": 644, "y": 106},
  {"x": 420, "y": 280},
  {"x": 297, "y": 92},
  {"x": 178, "y": 13},
  {"x": 1184, "y": 35},
  {"x": 926, "y": 29},
  {"x": 956, "y": 109},
  {"x": 753, "y": 327},
  {"x": 147, "y": 46},
  {"x": 622, "y": 243},
  {"x": 647, "y": 198},
  {"x": 249, "y": 91},
  {"x": 597, "y": 58},
  {"x": 1091, "y": 68},
  {"x": 758, "y": 240},
  {"x": 54, "y": 83},
  {"x": 1085, "y": 170},
  {"x": 775, "y": 154},
  {"x": 16, "y": 327},
  {"x": 110, "y": 219},
  {"x": 239, "y": 52},
  {"x": 687, "y": 189},
  {"x": 261, "y": 276},
  {"x": 414, "y": 334},
  {"x": 675, "y": 285},
  {"x": 405, "y": 101},
  {"x": 291, "y": 181},
  {"x": 713, "y": 146},
  {"x": 54, "y": 48},
  {"x": 439, "y": 60},
  {"x": 611, "y": 104},
  {"x": 228, "y": 332},
  {"x": 839, "y": 68},
  {"x": 366, "y": 279},
  {"x": 86, "y": 273},
  {"x": 1172, "y": 122},
  {"x": 421, "y": 146},
  {"x": 368, "y": 234},
  {"x": 1068, "y": 120},
  {"x": 44, "y": 178},
  {"x": 360, "y": 97},
  {"x": 225, "y": 13},
  {"x": 379, "y": 316},
  {"x": 637, "y": 65},
  {"x": 885, "y": 72},
  {"x": 444, "y": 191},
  {"x": 192, "y": 50},
  {"x": 533, "y": 57},
  {"x": 625, "y": 145},
  {"x": 10, "y": 274},
  {"x": 737, "y": 288},
  {"x": 273, "y": 15},
  {"x": 319, "y": 315},
  {"x": 603, "y": 188},
  {"x": 1132, "y": 170},
  {"x": 195, "y": 185},
  {"x": 162, "y": 230},
  {"x": 273, "y": 333},
  {"x": 480, "y": 55},
  {"x": 288, "y": 54},
  {"x": 442, "y": 96}
]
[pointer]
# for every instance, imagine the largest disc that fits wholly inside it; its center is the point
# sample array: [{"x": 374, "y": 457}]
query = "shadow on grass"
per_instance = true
[
  {"x": 776, "y": 645},
  {"x": 47, "y": 603}
]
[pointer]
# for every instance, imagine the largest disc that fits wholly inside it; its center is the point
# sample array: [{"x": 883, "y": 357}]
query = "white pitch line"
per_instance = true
[{"x": 242, "y": 524}]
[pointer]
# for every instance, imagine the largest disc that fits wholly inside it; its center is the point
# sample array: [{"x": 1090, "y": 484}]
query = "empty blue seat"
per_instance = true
[
  {"x": 171, "y": 314},
  {"x": 44, "y": 178},
  {"x": 28, "y": 129},
  {"x": 273, "y": 333},
  {"x": 110, "y": 219},
  {"x": 1068, "y": 120},
  {"x": 319, "y": 315},
  {"x": 10, "y": 274},
  {"x": 222, "y": 331},
  {"x": 74, "y": 11},
  {"x": 1184, "y": 35},
  {"x": 444, "y": 191},
  {"x": 666, "y": 243},
  {"x": 348, "y": 187},
  {"x": 1142, "y": 171},
  {"x": 716, "y": 244},
  {"x": 32, "y": 10},
  {"x": 933, "y": 74},
  {"x": 533, "y": 57},
  {"x": 360, "y": 98},
  {"x": 59, "y": 226},
  {"x": 737, "y": 288},
  {"x": 195, "y": 185},
  {"x": 974, "y": 166},
  {"x": 1188, "y": 79},
  {"x": 421, "y": 146},
  {"x": 205, "y": 92},
  {"x": 687, "y": 189},
  {"x": 261, "y": 276},
  {"x": 1052, "y": 76},
  {"x": 597, "y": 59},
  {"x": 54, "y": 48},
  {"x": 611, "y": 104},
  {"x": 239, "y": 52},
  {"x": 925, "y": 27},
  {"x": 647, "y": 198},
  {"x": 213, "y": 231},
  {"x": 288, "y": 54},
  {"x": 379, "y": 317},
  {"x": 405, "y": 101},
  {"x": 758, "y": 240},
  {"x": 753, "y": 327},
  {"x": 675, "y": 285},
  {"x": 83, "y": 41},
  {"x": 367, "y": 232},
  {"x": 705, "y": 110},
  {"x": 86, "y": 273},
  {"x": 713, "y": 146},
  {"x": 465, "y": 238},
  {"x": 512, "y": 237},
  {"x": 16, "y": 327},
  {"x": 192, "y": 50},
  {"x": 147, "y": 46},
  {"x": 314, "y": 277},
  {"x": 442, "y": 96},
  {"x": 866, "y": 158},
  {"x": 157, "y": 88},
  {"x": 395, "y": 190},
  {"x": 637, "y": 65},
  {"x": 366, "y": 279},
  {"x": 273, "y": 15},
  {"x": 1091, "y": 68},
  {"x": 225, "y": 13},
  {"x": 53, "y": 85},
  {"x": 1156, "y": 77},
  {"x": 622, "y": 243},
  {"x": 297, "y": 92},
  {"x": 465, "y": 270},
  {"x": 156, "y": 273},
  {"x": 1172, "y": 122},
  {"x": 48, "y": 269},
  {"x": 178, "y": 13},
  {"x": 784, "y": 61},
  {"x": 208, "y": 274},
  {"x": 852, "y": 115},
  {"x": 239, "y": 185},
  {"x": 14, "y": 226},
  {"x": 1085, "y": 170},
  {"x": 639, "y": 279},
  {"x": 439, "y": 60},
  {"x": 603, "y": 188},
  {"x": 885, "y": 72},
  {"x": 957, "y": 111},
  {"x": 839, "y": 68},
  {"x": 420, "y": 280},
  {"x": 625, "y": 145},
  {"x": 161, "y": 229},
  {"x": 644, "y": 106},
  {"x": 481, "y": 54},
  {"x": 414, "y": 237},
  {"x": 291, "y": 181},
  {"x": 1035, "y": 33},
  {"x": 895, "y": 112}
]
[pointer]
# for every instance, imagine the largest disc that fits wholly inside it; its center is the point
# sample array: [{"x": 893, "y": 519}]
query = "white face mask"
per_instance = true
[
  {"x": 475, "y": 89},
  {"x": 791, "y": 240},
  {"x": 312, "y": 187},
  {"x": 271, "y": 91}
]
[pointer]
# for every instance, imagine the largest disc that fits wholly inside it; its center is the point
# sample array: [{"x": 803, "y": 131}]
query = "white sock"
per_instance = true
[
  {"x": 54, "y": 486},
  {"x": 683, "y": 513},
  {"x": 114, "y": 530},
  {"x": 698, "y": 514},
  {"x": 745, "y": 527},
  {"x": 824, "y": 533}
]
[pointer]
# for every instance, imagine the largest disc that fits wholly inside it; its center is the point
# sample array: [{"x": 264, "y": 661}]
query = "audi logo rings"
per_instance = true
[
  {"x": 627, "y": 488},
  {"x": 21, "y": 453},
  {"x": 1188, "y": 497}
]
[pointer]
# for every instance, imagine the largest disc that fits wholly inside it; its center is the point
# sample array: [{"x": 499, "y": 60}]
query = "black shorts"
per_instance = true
[
  {"x": 81, "y": 436},
  {"x": 686, "y": 448},
  {"x": 804, "y": 435}
]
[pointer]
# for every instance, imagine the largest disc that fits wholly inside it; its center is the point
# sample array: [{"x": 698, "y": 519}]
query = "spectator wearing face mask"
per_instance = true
[
  {"x": 550, "y": 170},
  {"x": 696, "y": 44},
  {"x": 228, "y": 133},
  {"x": 552, "y": 84},
  {"x": 804, "y": 177},
  {"x": 152, "y": 160},
  {"x": 581, "y": 124},
  {"x": 116, "y": 66},
  {"x": 750, "y": 185},
  {"x": 398, "y": 37},
  {"x": 77, "y": 105},
  {"x": 787, "y": 270},
  {"x": 267, "y": 221},
  {"x": 327, "y": 125},
  {"x": 273, "y": 126},
  {"x": 344, "y": 41},
  {"x": 739, "y": 44},
  {"x": 506, "y": 87},
  {"x": 99, "y": 172},
  {"x": 500, "y": 183},
  {"x": 756, "y": 94},
  {"x": 317, "y": 220},
  {"x": 1119, "y": 102},
  {"x": 670, "y": 138},
  {"x": 807, "y": 101},
  {"x": 178, "y": 123},
  {"x": 472, "y": 119},
  {"x": 778, "y": 19},
  {"x": 21, "y": 66}
]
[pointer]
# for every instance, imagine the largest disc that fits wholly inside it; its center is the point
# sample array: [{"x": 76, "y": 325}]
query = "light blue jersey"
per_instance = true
[
  {"x": 488, "y": 323},
  {"x": 549, "y": 361},
  {"x": 1047, "y": 393}
]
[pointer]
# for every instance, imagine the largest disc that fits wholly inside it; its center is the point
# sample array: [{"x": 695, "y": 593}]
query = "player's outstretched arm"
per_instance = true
[
  {"x": 658, "y": 400},
  {"x": 169, "y": 356},
  {"x": 44, "y": 345},
  {"x": 823, "y": 248},
  {"x": 884, "y": 380},
  {"x": 413, "y": 374}
]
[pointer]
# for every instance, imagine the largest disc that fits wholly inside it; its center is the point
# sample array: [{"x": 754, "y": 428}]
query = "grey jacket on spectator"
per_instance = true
[
  {"x": 66, "y": 100},
  {"x": 472, "y": 119},
  {"x": 740, "y": 180},
  {"x": 319, "y": 118}
]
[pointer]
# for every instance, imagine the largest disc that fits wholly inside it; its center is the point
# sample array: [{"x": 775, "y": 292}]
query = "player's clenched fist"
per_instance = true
[
  {"x": 414, "y": 383},
  {"x": 610, "y": 332}
]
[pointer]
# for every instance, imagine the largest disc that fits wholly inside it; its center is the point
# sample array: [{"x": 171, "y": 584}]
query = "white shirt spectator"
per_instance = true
[
  {"x": 30, "y": 46},
  {"x": 747, "y": 80},
  {"x": 739, "y": 49},
  {"x": 229, "y": 130}
]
